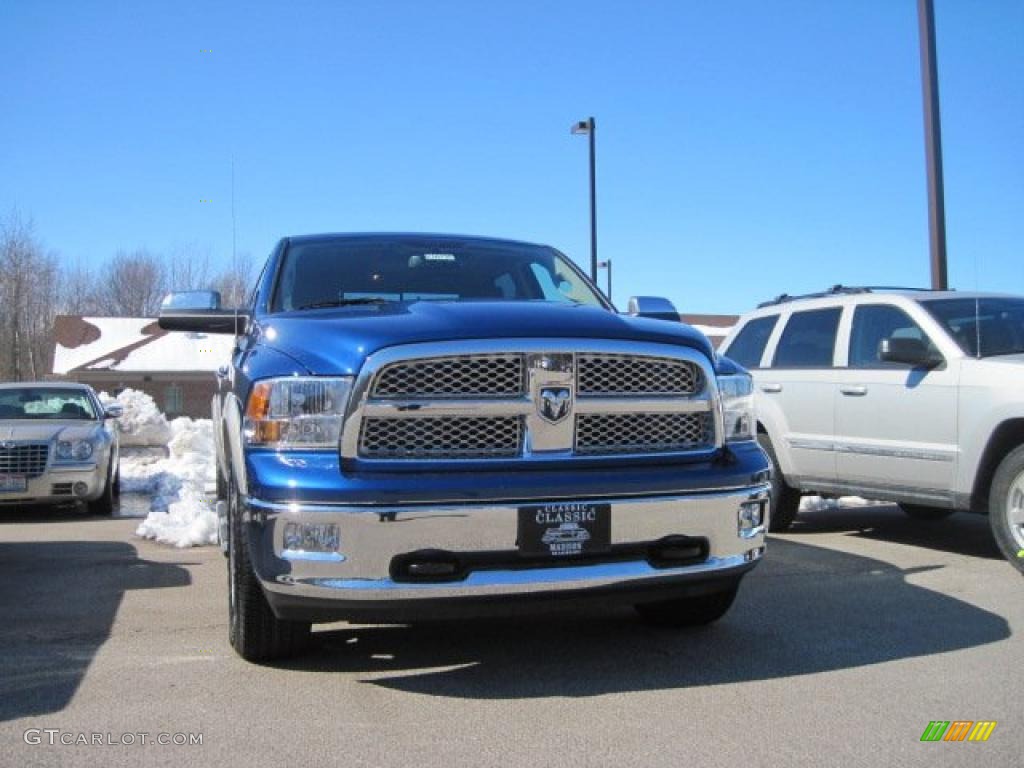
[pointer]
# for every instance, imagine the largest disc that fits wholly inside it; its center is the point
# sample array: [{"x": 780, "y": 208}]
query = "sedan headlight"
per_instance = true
[
  {"x": 74, "y": 450},
  {"x": 737, "y": 393},
  {"x": 296, "y": 412}
]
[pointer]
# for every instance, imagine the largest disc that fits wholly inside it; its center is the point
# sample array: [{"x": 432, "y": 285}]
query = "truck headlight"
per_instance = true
[
  {"x": 737, "y": 394},
  {"x": 74, "y": 450},
  {"x": 298, "y": 412}
]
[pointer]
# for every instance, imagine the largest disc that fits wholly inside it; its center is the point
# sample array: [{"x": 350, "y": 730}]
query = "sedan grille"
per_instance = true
[
  {"x": 27, "y": 459},
  {"x": 457, "y": 437},
  {"x": 641, "y": 433},
  {"x": 611, "y": 374},
  {"x": 470, "y": 376}
]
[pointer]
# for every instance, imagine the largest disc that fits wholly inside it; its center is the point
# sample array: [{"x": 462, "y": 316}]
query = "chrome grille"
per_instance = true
[
  {"x": 464, "y": 376},
  {"x": 633, "y": 433},
  {"x": 456, "y": 437},
  {"x": 27, "y": 459},
  {"x": 610, "y": 375}
]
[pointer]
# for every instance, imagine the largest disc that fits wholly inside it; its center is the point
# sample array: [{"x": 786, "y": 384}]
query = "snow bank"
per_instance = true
[
  {"x": 181, "y": 512},
  {"x": 142, "y": 423}
]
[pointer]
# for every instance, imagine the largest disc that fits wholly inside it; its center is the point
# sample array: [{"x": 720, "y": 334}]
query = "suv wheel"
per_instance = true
[
  {"x": 1006, "y": 507},
  {"x": 688, "y": 611},
  {"x": 253, "y": 629},
  {"x": 785, "y": 500},
  {"x": 917, "y": 512}
]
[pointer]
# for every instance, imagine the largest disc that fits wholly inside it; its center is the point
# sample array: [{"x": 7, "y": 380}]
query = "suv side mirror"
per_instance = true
[
  {"x": 113, "y": 411},
  {"x": 912, "y": 352},
  {"x": 200, "y": 312},
  {"x": 653, "y": 307}
]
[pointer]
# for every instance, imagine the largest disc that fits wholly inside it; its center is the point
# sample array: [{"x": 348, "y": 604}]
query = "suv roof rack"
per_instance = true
[{"x": 837, "y": 290}]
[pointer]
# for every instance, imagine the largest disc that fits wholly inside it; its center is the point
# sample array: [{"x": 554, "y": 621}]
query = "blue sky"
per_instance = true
[{"x": 744, "y": 148}]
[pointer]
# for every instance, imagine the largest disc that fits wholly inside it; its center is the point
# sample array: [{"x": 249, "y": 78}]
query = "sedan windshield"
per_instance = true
[
  {"x": 362, "y": 271},
  {"x": 46, "y": 403},
  {"x": 984, "y": 326}
]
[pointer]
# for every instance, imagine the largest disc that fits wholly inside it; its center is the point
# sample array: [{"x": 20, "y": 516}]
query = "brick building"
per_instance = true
[
  {"x": 715, "y": 327},
  {"x": 113, "y": 353}
]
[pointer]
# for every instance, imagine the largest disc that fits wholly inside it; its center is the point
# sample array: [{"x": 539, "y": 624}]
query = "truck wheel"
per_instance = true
[
  {"x": 253, "y": 629},
  {"x": 104, "y": 505},
  {"x": 688, "y": 611},
  {"x": 1006, "y": 507},
  {"x": 917, "y": 512},
  {"x": 785, "y": 501}
]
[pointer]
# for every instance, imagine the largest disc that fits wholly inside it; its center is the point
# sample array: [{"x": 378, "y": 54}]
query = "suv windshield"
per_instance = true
[
  {"x": 46, "y": 403},
  {"x": 338, "y": 272},
  {"x": 983, "y": 327}
]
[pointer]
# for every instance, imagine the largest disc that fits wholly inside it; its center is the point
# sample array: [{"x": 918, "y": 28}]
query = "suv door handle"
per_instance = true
[
  {"x": 854, "y": 391},
  {"x": 771, "y": 388}
]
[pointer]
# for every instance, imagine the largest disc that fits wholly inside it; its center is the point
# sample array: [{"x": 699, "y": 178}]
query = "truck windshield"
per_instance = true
[
  {"x": 358, "y": 271},
  {"x": 983, "y": 326}
]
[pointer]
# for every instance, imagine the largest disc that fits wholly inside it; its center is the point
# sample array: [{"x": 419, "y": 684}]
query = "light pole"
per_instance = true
[
  {"x": 588, "y": 127},
  {"x": 933, "y": 145},
  {"x": 607, "y": 264}
]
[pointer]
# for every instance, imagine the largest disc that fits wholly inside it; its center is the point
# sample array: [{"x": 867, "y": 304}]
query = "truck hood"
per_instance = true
[{"x": 337, "y": 341}]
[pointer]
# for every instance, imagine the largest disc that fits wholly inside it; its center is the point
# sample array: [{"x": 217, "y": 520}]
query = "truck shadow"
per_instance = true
[
  {"x": 961, "y": 533},
  {"x": 59, "y": 600},
  {"x": 805, "y": 610}
]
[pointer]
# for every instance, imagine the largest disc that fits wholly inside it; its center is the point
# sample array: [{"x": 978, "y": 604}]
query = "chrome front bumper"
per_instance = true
[{"x": 360, "y": 573}]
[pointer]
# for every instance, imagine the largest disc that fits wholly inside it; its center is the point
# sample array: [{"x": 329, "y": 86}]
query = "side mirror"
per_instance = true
[
  {"x": 653, "y": 307},
  {"x": 113, "y": 411},
  {"x": 191, "y": 300},
  {"x": 200, "y": 312},
  {"x": 913, "y": 352}
]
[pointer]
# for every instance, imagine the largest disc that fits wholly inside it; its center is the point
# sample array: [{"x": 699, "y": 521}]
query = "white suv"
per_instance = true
[{"x": 901, "y": 395}]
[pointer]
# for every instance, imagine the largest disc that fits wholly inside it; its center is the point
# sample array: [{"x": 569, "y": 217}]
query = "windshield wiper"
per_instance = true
[{"x": 345, "y": 302}]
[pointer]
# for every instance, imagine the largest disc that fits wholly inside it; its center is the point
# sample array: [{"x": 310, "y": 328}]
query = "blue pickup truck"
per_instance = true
[{"x": 414, "y": 426}]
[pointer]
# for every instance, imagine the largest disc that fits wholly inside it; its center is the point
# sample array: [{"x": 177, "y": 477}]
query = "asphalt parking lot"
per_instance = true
[{"x": 859, "y": 628}]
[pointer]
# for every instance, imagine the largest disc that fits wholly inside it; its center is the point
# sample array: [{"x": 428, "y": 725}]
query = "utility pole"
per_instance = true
[
  {"x": 933, "y": 145},
  {"x": 589, "y": 128}
]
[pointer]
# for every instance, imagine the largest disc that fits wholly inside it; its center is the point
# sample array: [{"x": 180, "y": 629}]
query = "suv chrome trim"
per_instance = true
[{"x": 550, "y": 363}]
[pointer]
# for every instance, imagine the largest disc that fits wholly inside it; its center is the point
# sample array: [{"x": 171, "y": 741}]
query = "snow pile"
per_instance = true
[
  {"x": 142, "y": 423},
  {"x": 181, "y": 512}
]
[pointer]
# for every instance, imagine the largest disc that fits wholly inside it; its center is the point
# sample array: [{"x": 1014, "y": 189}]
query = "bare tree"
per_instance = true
[
  {"x": 28, "y": 293},
  {"x": 132, "y": 284},
  {"x": 79, "y": 291},
  {"x": 188, "y": 268},
  {"x": 236, "y": 282}
]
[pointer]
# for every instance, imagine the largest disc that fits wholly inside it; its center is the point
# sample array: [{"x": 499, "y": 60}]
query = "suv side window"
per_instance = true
[
  {"x": 748, "y": 346},
  {"x": 874, "y": 322},
  {"x": 809, "y": 339}
]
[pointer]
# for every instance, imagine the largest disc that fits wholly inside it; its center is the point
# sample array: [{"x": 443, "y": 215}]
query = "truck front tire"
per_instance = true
[
  {"x": 253, "y": 629},
  {"x": 1006, "y": 507}
]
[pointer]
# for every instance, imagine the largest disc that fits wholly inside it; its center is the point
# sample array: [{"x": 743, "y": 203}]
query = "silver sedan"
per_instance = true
[{"x": 57, "y": 444}]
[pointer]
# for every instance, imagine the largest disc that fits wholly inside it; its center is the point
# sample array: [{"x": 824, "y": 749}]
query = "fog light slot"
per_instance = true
[
  {"x": 427, "y": 565},
  {"x": 677, "y": 551},
  {"x": 80, "y": 488},
  {"x": 750, "y": 518}
]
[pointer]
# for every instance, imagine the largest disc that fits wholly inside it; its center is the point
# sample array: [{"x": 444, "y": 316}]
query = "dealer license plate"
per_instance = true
[
  {"x": 564, "y": 529},
  {"x": 12, "y": 483}
]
